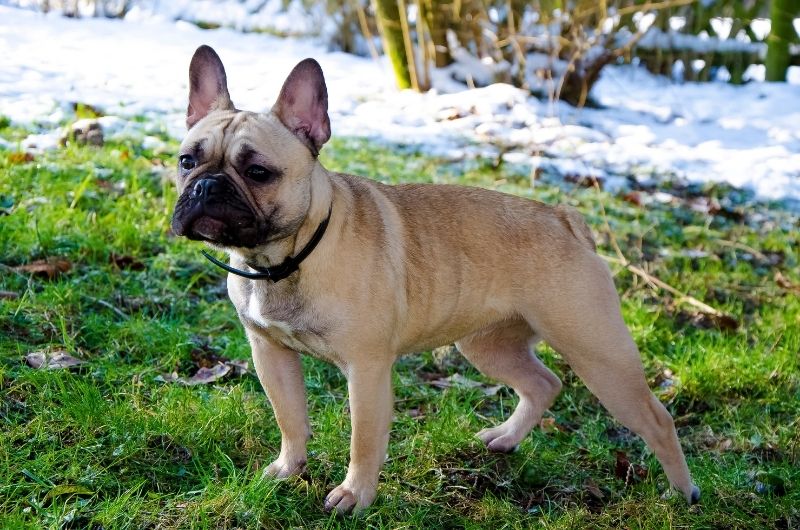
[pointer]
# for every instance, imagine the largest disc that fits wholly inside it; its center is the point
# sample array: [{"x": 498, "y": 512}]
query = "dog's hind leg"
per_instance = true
[
  {"x": 503, "y": 352},
  {"x": 581, "y": 319}
]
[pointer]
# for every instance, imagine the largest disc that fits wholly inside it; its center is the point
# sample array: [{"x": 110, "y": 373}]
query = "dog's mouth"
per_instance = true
[
  {"x": 208, "y": 228},
  {"x": 221, "y": 218}
]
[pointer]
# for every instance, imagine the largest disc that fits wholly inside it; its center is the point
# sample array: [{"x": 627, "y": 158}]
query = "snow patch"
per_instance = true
[{"x": 645, "y": 127}]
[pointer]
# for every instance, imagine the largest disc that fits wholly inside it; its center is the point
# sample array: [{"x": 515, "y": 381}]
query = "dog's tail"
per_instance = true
[{"x": 573, "y": 220}]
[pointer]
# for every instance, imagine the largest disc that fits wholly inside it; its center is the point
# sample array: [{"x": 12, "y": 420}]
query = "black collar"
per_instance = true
[{"x": 282, "y": 270}]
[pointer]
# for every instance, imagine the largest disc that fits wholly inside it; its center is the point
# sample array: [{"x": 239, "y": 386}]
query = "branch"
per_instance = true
[{"x": 649, "y": 278}]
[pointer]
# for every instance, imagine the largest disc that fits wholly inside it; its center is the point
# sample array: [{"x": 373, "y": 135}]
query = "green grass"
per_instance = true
[{"x": 110, "y": 446}]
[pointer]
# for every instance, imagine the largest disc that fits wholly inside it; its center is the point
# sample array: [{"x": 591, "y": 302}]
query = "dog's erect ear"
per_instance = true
[
  {"x": 208, "y": 87},
  {"x": 302, "y": 105}
]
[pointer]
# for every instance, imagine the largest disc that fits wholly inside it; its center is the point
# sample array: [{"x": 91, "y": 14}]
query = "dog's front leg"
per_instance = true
[
  {"x": 281, "y": 375},
  {"x": 371, "y": 403}
]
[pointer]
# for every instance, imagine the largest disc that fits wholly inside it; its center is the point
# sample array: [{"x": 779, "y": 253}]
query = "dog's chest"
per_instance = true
[{"x": 285, "y": 321}]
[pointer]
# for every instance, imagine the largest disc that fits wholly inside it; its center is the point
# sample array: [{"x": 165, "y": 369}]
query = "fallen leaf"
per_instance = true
[
  {"x": 584, "y": 181},
  {"x": 633, "y": 197},
  {"x": 724, "y": 445},
  {"x": 167, "y": 378},
  {"x": 591, "y": 487},
  {"x": 624, "y": 470},
  {"x": 784, "y": 283},
  {"x": 548, "y": 424},
  {"x": 8, "y": 295},
  {"x": 49, "y": 268},
  {"x": 68, "y": 489},
  {"x": 20, "y": 157},
  {"x": 205, "y": 376},
  {"x": 204, "y": 355},
  {"x": 708, "y": 321},
  {"x": 240, "y": 366},
  {"x": 125, "y": 262},
  {"x": 52, "y": 360},
  {"x": 210, "y": 367}
]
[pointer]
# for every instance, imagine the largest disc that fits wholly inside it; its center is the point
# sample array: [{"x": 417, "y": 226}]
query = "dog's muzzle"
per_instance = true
[{"x": 211, "y": 209}]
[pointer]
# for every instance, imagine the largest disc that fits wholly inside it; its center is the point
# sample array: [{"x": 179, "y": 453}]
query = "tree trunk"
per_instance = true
[
  {"x": 393, "y": 43},
  {"x": 438, "y": 17},
  {"x": 780, "y": 35}
]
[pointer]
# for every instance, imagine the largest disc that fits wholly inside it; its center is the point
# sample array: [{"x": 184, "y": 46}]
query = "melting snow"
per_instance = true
[{"x": 646, "y": 126}]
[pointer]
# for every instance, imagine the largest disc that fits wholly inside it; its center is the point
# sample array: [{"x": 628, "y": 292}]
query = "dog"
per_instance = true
[{"x": 357, "y": 273}]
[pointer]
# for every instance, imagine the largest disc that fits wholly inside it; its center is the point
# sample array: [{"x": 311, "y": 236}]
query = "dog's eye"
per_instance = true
[
  {"x": 259, "y": 173},
  {"x": 187, "y": 162}
]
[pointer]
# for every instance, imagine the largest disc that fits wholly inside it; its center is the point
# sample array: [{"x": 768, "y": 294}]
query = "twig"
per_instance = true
[
  {"x": 107, "y": 305},
  {"x": 653, "y": 5},
  {"x": 612, "y": 239},
  {"x": 646, "y": 276},
  {"x": 362, "y": 21},
  {"x": 682, "y": 297},
  {"x": 742, "y": 246},
  {"x": 9, "y": 268}
]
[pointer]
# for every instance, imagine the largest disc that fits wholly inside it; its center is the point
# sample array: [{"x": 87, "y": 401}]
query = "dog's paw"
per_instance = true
[
  {"x": 694, "y": 498},
  {"x": 344, "y": 499},
  {"x": 500, "y": 439},
  {"x": 285, "y": 467}
]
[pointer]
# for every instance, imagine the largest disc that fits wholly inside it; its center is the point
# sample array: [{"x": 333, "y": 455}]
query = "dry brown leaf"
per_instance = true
[
  {"x": 584, "y": 181},
  {"x": 20, "y": 157},
  {"x": 52, "y": 360},
  {"x": 548, "y": 424},
  {"x": 633, "y": 197},
  {"x": 125, "y": 262},
  {"x": 49, "y": 268},
  {"x": 240, "y": 366},
  {"x": 784, "y": 283},
  {"x": 703, "y": 320},
  {"x": 206, "y": 375},
  {"x": 591, "y": 487},
  {"x": 724, "y": 445},
  {"x": 625, "y": 470}
]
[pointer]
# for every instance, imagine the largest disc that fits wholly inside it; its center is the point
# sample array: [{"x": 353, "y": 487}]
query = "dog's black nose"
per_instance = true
[{"x": 205, "y": 188}]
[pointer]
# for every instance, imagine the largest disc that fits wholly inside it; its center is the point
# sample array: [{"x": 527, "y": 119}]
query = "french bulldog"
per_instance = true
[{"x": 357, "y": 273}]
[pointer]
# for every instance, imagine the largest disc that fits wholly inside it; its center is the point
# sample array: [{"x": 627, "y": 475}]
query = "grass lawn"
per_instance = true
[{"x": 110, "y": 444}]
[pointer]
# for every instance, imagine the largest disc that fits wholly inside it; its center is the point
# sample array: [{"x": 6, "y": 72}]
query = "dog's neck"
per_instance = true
[{"x": 275, "y": 252}]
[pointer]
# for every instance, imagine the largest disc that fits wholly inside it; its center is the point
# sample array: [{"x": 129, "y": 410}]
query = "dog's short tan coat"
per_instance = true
[{"x": 402, "y": 269}]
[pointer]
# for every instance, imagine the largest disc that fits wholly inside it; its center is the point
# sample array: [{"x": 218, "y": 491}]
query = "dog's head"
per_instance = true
[{"x": 244, "y": 178}]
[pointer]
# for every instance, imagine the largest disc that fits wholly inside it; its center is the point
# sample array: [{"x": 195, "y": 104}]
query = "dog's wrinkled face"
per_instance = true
[{"x": 244, "y": 178}]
